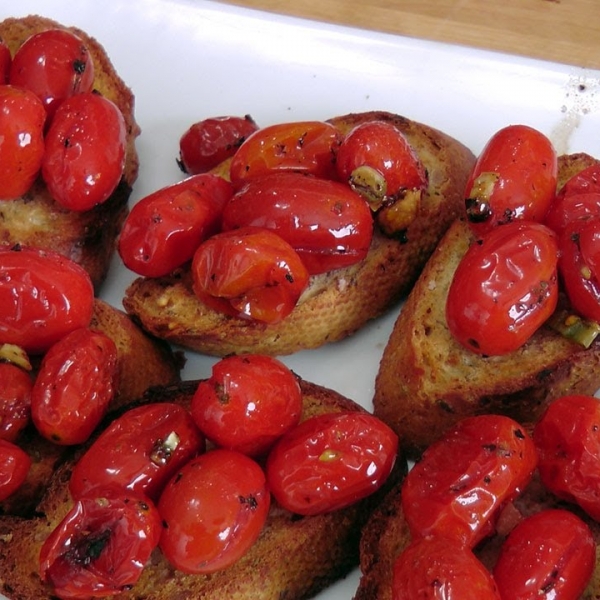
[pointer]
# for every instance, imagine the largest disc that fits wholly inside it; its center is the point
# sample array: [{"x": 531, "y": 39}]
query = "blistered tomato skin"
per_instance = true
[
  {"x": 514, "y": 178},
  {"x": 43, "y": 296},
  {"x": 330, "y": 461},
  {"x": 573, "y": 207},
  {"x": 441, "y": 569},
  {"x": 213, "y": 510},
  {"x": 306, "y": 147},
  {"x": 248, "y": 402},
  {"x": 164, "y": 229},
  {"x": 328, "y": 224},
  {"x": 101, "y": 546},
  {"x": 22, "y": 119},
  {"x": 549, "y": 555},
  {"x": 5, "y": 62},
  {"x": 504, "y": 288},
  {"x": 14, "y": 467},
  {"x": 139, "y": 451},
  {"x": 85, "y": 151},
  {"x": 15, "y": 401},
  {"x": 457, "y": 488}
]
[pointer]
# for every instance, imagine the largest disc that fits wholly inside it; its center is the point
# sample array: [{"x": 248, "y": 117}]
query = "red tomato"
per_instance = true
[
  {"x": 567, "y": 438},
  {"x": 85, "y": 151},
  {"x": 549, "y": 555},
  {"x": 74, "y": 386},
  {"x": 326, "y": 222},
  {"x": 208, "y": 143},
  {"x": 213, "y": 510},
  {"x": 250, "y": 273},
  {"x": 307, "y": 147},
  {"x": 139, "y": 451},
  {"x": 15, "y": 400},
  {"x": 331, "y": 461},
  {"x": 55, "y": 64},
  {"x": 43, "y": 296},
  {"x": 5, "y": 62},
  {"x": 572, "y": 207},
  {"x": 248, "y": 403},
  {"x": 14, "y": 467},
  {"x": 504, "y": 288},
  {"x": 22, "y": 119},
  {"x": 584, "y": 182},
  {"x": 101, "y": 546},
  {"x": 164, "y": 229},
  {"x": 514, "y": 178},
  {"x": 435, "y": 568},
  {"x": 462, "y": 481}
]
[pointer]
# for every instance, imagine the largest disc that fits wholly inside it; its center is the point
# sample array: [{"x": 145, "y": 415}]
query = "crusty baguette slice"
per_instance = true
[
  {"x": 338, "y": 303},
  {"x": 35, "y": 219},
  {"x": 427, "y": 381},
  {"x": 294, "y": 558}
]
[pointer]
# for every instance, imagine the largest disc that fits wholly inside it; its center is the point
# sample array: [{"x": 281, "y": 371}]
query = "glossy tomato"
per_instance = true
[
  {"x": 504, "y": 288},
  {"x": 15, "y": 400},
  {"x": 248, "y": 402},
  {"x": 74, "y": 386},
  {"x": 331, "y": 461},
  {"x": 139, "y": 451},
  {"x": 572, "y": 207},
  {"x": 85, "y": 151},
  {"x": 5, "y": 62},
  {"x": 549, "y": 555},
  {"x": 207, "y": 143},
  {"x": 456, "y": 490},
  {"x": 55, "y": 64},
  {"x": 440, "y": 569},
  {"x": 307, "y": 147},
  {"x": 14, "y": 467},
  {"x": 251, "y": 273},
  {"x": 22, "y": 118},
  {"x": 586, "y": 181},
  {"x": 514, "y": 178},
  {"x": 43, "y": 296},
  {"x": 101, "y": 546},
  {"x": 164, "y": 229},
  {"x": 325, "y": 221},
  {"x": 213, "y": 510}
]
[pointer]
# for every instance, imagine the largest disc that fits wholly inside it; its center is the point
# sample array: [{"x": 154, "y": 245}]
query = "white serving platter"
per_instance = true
[{"x": 186, "y": 60}]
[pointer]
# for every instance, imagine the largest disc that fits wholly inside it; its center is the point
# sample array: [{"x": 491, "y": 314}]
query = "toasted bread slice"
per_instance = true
[
  {"x": 337, "y": 303},
  {"x": 294, "y": 558},
  {"x": 36, "y": 219},
  {"x": 427, "y": 381}
]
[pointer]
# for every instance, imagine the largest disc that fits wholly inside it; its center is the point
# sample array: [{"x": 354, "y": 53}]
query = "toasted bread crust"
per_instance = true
[
  {"x": 36, "y": 219},
  {"x": 427, "y": 381},
  {"x": 338, "y": 303}
]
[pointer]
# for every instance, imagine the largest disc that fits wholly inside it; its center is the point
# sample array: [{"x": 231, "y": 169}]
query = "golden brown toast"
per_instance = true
[
  {"x": 35, "y": 219},
  {"x": 294, "y": 558},
  {"x": 427, "y": 381},
  {"x": 337, "y": 303}
]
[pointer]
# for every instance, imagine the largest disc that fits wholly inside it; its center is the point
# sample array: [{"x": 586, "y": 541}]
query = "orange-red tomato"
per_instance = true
[
  {"x": 14, "y": 467},
  {"x": 5, "y": 62},
  {"x": 15, "y": 400}
]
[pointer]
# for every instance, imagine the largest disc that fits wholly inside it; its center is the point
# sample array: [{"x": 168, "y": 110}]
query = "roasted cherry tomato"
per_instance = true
[
  {"x": 43, "y": 296},
  {"x": 549, "y": 555},
  {"x": 514, "y": 178},
  {"x": 14, "y": 467},
  {"x": 85, "y": 151},
  {"x": 567, "y": 438},
  {"x": 101, "y": 546},
  {"x": 456, "y": 490},
  {"x": 325, "y": 221},
  {"x": 250, "y": 273},
  {"x": 572, "y": 207},
  {"x": 140, "y": 450},
  {"x": 213, "y": 510},
  {"x": 307, "y": 147},
  {"x": 22, "y": 118},
  {"x": 164, "y": 229},
  {"x": 504, "y": 288},
  {"x": 586, "y": 181},
  {"x": 5, "y": 62},
  {"x": 15, "y": 400},
  {"x": 206, "y": 144},
  {"x": 435, "y": 568},
  {"x": 55, "y": 64},
  {"x": 248, "y": 403},
  {"x": 331, "y": 461},
  {"x": 74, "y": 386}
]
